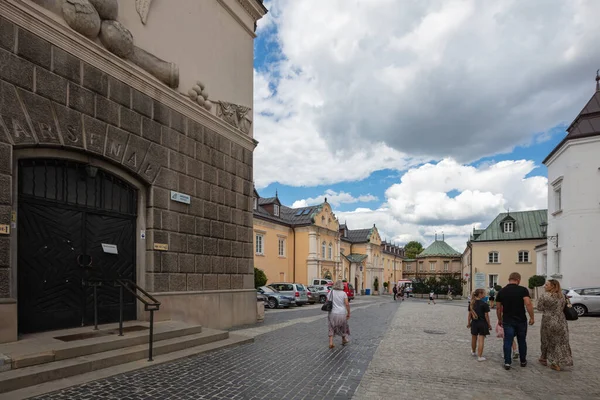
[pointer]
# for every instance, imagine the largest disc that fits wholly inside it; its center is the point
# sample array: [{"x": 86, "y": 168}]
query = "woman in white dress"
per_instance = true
[{"x": 339, "y": 314}]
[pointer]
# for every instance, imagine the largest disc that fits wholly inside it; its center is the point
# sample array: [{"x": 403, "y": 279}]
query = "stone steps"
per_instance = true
[{"x": 129, "y": 351}]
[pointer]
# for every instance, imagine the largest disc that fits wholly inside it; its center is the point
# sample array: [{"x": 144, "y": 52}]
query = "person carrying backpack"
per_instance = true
[{"x": 492, "y": 295}]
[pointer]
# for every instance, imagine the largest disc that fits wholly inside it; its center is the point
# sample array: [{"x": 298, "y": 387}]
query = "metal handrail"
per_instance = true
[{"x": 150, "y": 304}]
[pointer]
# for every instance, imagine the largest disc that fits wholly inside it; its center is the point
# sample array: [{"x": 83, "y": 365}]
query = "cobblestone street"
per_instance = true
[{"x": 398, "y": 351}]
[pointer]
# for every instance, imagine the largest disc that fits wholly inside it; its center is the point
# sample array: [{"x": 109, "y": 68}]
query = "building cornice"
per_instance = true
[
  {"x": 31, "y": 17},
  {"x": 253, "y": 8},
  {"x": 565, "y": 144}
]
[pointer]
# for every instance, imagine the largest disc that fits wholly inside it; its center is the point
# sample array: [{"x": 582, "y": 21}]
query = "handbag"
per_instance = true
[
  {"x": 569, "y": 311},
  {"x": 328, "y": 306}
]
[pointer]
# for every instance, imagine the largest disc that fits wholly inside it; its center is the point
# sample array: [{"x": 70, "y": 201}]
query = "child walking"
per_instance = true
[
  {"x": 500, "y": 334},
  {"x": 479, "y": 322}
]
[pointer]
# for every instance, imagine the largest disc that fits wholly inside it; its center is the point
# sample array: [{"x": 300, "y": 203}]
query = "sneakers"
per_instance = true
[
  {"x": 481, "y": 358},
  {"x": 516, "y": 356},
  {"x": 474, "y": 354},
  {"x": 524, "y": 364},
  {"x": 507, "y": 366}
]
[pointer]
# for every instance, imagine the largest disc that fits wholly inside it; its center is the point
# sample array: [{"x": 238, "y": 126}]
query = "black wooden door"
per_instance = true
[
  {"x": 66, "y": 213},
  {"x": 49, "y": 277}
]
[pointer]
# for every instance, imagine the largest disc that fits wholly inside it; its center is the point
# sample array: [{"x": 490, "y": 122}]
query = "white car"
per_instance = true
[{"x": 584, "y": 300}]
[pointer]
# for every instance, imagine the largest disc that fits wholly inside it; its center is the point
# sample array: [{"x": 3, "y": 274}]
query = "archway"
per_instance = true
[{"x": 76, "y": 227}]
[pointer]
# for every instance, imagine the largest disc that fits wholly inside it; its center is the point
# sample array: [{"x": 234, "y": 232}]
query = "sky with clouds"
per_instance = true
[{"x": 419, "y": 116}]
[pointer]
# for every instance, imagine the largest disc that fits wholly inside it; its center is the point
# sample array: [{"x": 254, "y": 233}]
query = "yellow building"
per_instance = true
[
  {"x": 506, "y": 245},
  {"x": 296, "y": 244},
  {"x": 438, "y": 259},
  {"x": 362, "y": 257},
  {"x": 392, "y": 257}
]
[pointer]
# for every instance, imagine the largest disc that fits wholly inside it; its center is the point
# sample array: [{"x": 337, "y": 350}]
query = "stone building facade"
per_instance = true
[{"x": 108, "y": 170}]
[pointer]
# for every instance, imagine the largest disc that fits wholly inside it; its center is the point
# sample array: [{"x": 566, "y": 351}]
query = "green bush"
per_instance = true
[
  {"x": 439, "y": 285},
  {"x": 260, "y": 278},
  {"x": 497, "y": 288},
  {"x": 376, "y": 284},
  {"x": 536, "y": 281},
  {"x": 386, "y": 284}
]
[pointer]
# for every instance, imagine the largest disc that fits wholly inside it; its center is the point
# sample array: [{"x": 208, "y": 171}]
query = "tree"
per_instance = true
[
  {"x": 536, "y": 281},
  {"x": 412, "y": 249},
  {"x": 260, "y": 278},
  {"x": 376, "y": 284}
]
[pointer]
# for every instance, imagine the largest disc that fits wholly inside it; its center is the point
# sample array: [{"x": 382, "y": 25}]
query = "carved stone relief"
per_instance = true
[
  {"x": 93, "y": 18},
  {"x": 199, "y": 94},
  {"x": 235, "y": 115},
  {"x": 143, "y": 7}
]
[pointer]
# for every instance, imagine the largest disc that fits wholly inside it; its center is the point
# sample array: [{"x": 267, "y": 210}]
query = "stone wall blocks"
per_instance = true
[
  {"x": 224, "y": 248},
  {"x": 230, "y": 232},
  {"x": 107, "y": 111},
  {"x": 187, "y": 184},
  {"x": 6, "y": 192},
  {"x": 210, "y": 138},
  {"x": 70, "y": 124},
  {"x": 40, "y": 115},
  {"x": 217, "y": 195},
  {"x": 156, "y": 236},
  {"x": 248, "y": 220},
  {"x": 170, "y": 220},
  {"x": 224, "y": 145},
  {"x": 156, "y": 157},
  {"x": 4, "y": 282},
  {"x": 194, "y": 282},
  {"x": 209, "y": 174},
  {"x": 153, "y": 261},
  {"x": 217, "y": 265},
  {"x": 187, "y": 223},
  {"x": 135, "y": 152},
  {"x": 237, "y": 217},
  {"x": 4, "y": 252},
  {"x": 130, "y": 121},
  {"x": 195, "y": 244},
  {"x": 210, "y": 246},
  {"x": 66, "y": 65},
  {"x": 170, "y": 138},
  {"x": 82, "y": 100},
  {"x": 203, "y": 153},
  {"x": 217, "y": 229},
  {"x": 210, "y": 210},
  {"x": 224, "y": 282},
  {"x": 177, "y": 242},
  {"x": 202, "y": 189},
  {"x": 51, "y": 86},
  {"x": 203, "y": 264},
  {"x": 193, "y": 168},
  {"x": 217, "y": 159},
  {"x": 95, "y": 80},
  {"x": 210, "y": 282},
  {"x": 187, "y": 146},
  {"x": 176, "y": 161},
  {"x": 248, "y": 281},
  {"x": 230, "y": 265},
  {"x": 95, "y": 134},
  {"x": 178, "y": 122},
  {"x": 177, "y": 282},
  {"x": 169, "y": 262},
  {"x": 34, "y": 48},
  {"x": 162, "y": 113},
  {"x": 141, "y": 103},
  {"x": 202, "y": 226},
  {"x": 196, "y": 131},
  {"x": 159, "y": 197},
  {"x": 241, "y": 235},
  {"x": 186, "y": 263},
  {"x": 248, "y": 250},
  {"x": 237, "y": 281},
  {"x": 197, "y": 207},
  {"x": 119, "y": 92},
  {"x": 7, "y": 34},
  {"x": 167, "y": 179},
  {"x": 151, "y": 130},
  {"x": 224, "y": 214},
  {"x": 248, "y": 157},
  {"x": 116, "y": 143},
  {"x": 160, "y": 282},
  {"x": 5, "y": 159},
  {"x": 237, "y": 152},
  {"x": 153, "y": 220},
  {"x": 16, "y": 70}
]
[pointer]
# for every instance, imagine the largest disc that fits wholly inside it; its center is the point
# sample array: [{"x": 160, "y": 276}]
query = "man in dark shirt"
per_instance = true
[{"x": 511, "y": 302}]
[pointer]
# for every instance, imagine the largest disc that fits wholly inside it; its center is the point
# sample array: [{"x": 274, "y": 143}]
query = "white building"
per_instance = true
[{"x": 574, "y": 202}]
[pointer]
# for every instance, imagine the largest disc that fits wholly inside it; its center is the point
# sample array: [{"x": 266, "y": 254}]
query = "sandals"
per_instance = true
[
  {"x": 543, "y": 362},
  {"x": 331, "y": 346},
  {"x": 555, "y": 367},
  {"x": 345, "y": 342}
]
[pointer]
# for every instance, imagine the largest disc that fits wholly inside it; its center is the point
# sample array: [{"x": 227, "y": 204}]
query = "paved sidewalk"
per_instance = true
[{"x": 412, "y": 364}]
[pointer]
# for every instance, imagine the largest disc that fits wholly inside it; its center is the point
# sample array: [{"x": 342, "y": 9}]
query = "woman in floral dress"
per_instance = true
[{"x": 556, "y": 350}]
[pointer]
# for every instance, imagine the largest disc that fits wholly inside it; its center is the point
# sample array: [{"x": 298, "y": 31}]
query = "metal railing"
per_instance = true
[{"x": 149, "y": 302}]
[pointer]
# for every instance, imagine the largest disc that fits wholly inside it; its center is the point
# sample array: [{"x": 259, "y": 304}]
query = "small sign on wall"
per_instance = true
[
  {"x": 181, "y": 197},
  {"x": 161, "y": 246},
  {"x": 480, "y": 280},
  {"x": 110, "y": 248},
  {"x": 4, "y": 229}
]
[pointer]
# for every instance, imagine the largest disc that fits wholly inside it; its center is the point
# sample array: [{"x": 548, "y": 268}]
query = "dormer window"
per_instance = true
[
  {"x": 508, "y": 227},
  {"x": 255, "y": 203},
  {"x": 276, "y": 210}
]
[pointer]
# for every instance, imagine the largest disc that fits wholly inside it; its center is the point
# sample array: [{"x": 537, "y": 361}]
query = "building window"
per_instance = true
[
  {"x": 557, "y": 261},
  {"x": 255, "y": 205},
  {"x": 523, "y": 256},
  {"x": 492, "y": 257},
  {"x": 276, "y": 210},
  {"x": 508, "y": 227},
  {"x": 420, "y": 266},
  {"x": 492, "y": 280},
  {"x": 557, "y": 199},
  {"x": 408, "y": 267},
  {"x": 260, "y": 244},
  {"x": 281, "y": 247},
  {"x": 330, "y": 251},
  {"x": 323, "y": 247},
  {"x": 446, "y": 266},
  {"x": 432, "y": 266},
  {"x": 545, "y": 264}
]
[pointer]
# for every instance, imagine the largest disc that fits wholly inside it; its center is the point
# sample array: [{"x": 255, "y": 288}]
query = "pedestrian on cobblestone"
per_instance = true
[
  {"x": 339, "y": 314},
  {"x": 431, "y": 297},
  {"x": 511, "y": 302},
  {"x": 479, "y": 322},
  {"x": 556, "y": 350},
  {"x": 395, "y": 290}
]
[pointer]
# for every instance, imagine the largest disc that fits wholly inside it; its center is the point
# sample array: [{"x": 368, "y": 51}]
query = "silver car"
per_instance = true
[
  {"x": 296, "y": 290},
  {"x": 585, "y": 300},
  {"x": 322, "y": 292},
  {"x": 275, "y": 299}
]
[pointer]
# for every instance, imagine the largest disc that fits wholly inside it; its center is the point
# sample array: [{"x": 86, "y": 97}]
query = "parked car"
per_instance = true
[
  {"x": 275, "y": 298},
  {"x": 349, "y": 289},
  {"x": 313, "y": 294},
  {"x": 322, "y": 282},
  {"x": 321, "y": 292},
  {"x": 296, "y": 290},
  {"x": 261, "y": 297},
  {"x": 584, "y": 300}
]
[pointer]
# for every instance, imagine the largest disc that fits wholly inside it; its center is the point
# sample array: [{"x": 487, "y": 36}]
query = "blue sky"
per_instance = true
[{"x": 417, "y": 118}]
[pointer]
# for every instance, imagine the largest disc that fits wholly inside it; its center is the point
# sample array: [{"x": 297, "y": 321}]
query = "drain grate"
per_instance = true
[
  {"x": 95, "y": 334},
  {"x": 432, "y": 332}
]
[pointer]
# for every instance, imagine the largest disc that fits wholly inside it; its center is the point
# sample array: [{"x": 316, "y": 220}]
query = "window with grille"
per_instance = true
[
  {"x": 260, "y": 244},
  {"x": 281, "y": 247},
  {"x": 523, "y": 256},
  {"x": 493, "y": 257}
]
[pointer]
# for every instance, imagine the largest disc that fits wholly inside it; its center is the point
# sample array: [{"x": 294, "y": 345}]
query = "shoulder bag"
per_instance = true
[
  {"x": 569, "y": 311},
  {"x": 328, "y": 306}
]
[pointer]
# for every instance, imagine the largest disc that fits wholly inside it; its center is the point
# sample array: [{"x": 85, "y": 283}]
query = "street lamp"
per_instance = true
[{"x": 544, "y": 229}]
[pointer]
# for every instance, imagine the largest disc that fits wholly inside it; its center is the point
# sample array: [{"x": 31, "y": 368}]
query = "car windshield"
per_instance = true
[
  {"x": 300, "y": 288},
  {"x": 268, "y": 289}
]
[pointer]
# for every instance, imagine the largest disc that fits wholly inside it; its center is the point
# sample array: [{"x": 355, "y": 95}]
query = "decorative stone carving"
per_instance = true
[
  {"x": 107, "y": 9},
  {"x": 165, "y": 71},
  {"x": 143, "y": 7},
  {"x": 235, "y": 115},
  {"x": 116, "y": 38},
  {"x": 199, "y": 94},
  {"x": 82, "y": 17}
]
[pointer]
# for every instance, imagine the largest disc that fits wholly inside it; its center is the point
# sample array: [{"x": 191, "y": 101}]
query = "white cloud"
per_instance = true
[
  {"x": 421, "y": 205},
  {"x": 335, "y": 199},
  {"x": 373, "y": 84}
]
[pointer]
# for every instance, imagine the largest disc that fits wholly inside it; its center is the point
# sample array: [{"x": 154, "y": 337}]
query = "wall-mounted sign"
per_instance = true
[
  {"x": 110, "y": 248},
  {"x": 181, "y": 197},
  {"x": 161, "y": 246},
  {"x": 4, "y": 229},
  {"x": 479, "y": 280},
  {"x": 142, "y": 234},
  {"x": 13, "y": 216}
]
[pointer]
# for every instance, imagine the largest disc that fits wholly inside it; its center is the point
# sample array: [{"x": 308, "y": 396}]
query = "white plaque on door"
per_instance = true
[{"x": 110, "y": 248}]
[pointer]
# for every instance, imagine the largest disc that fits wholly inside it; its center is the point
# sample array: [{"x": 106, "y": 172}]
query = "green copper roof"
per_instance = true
[
  {"x": 526, "y": 225},
  {"x": 355, "y": 257},
  {"x": 439, "y": 248}
]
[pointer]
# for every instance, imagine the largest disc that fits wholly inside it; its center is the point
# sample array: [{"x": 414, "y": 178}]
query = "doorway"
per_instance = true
[{"x": 76, "y": 226}]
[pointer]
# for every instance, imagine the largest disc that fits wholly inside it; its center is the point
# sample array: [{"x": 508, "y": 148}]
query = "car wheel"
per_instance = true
[
  {"x": 299, "y": 304},
  {"x": 322, "y": 299},
  {"x": 581, "y": 309},
  {"x": 272, "y": 303}
]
